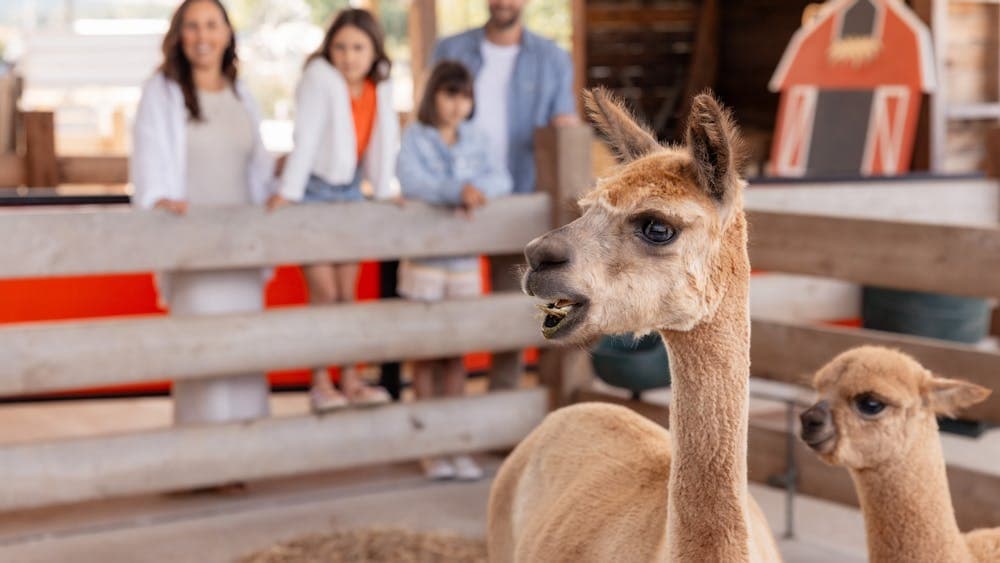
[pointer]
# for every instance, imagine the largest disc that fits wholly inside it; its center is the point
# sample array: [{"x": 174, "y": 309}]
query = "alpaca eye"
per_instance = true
[
  {"x": 657, "y": 232},
  {"x": 868, "y": 405}
]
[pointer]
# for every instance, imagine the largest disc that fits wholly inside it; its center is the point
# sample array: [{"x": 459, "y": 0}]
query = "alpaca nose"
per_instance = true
[
  {"x": 815, "y": 417},
  {"x": 547, "y": 252}
]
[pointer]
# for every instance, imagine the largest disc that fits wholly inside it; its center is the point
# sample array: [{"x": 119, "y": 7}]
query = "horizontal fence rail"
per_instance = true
[
  {"x": 943, "y": 200},
  {"x": 98, "y": 241},
  {"x": 39, "y": 474},
  {"x": 65, "y": 355},
  {"x": 904, "y": 255},
  {"x": 791, "y": 353}
]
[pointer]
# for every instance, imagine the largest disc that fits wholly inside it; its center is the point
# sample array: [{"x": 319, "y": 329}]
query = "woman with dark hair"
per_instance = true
[
  {"x": 197, "y": 144},
  {"x": 445, "y": 160},
  {"x": 346, "y": 130}
]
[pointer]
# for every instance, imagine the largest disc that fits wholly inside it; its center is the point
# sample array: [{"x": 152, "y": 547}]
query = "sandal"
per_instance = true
[
  {"x": 365, "y": 396},
  {"x": 326, "y": 399}
]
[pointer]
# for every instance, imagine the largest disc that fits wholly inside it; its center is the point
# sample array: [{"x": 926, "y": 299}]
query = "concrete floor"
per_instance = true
[{"x": 221, "y": 527}]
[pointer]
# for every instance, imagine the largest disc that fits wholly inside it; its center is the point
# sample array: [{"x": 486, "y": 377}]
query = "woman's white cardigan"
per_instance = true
[
  {"x": 325, "y": 141},
  {"x": 158, "y": 166}
]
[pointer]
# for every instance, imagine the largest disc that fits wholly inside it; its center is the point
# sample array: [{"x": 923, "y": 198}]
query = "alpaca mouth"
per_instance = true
[
  {"x": 561, "y": 316},
  {"x": 820, "y": 443}
]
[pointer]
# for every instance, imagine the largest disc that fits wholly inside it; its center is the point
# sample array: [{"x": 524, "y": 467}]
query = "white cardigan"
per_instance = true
[
  {"x": 158, "y": 166},
  {"x": 325, "y": 143}
]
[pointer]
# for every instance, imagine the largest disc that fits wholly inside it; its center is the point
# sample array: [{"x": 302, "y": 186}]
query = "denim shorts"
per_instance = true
[{"x": 319, "y": 190}]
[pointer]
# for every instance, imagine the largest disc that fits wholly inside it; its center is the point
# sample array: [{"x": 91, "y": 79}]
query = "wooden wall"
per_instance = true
[{"x": 642, "y": 49}]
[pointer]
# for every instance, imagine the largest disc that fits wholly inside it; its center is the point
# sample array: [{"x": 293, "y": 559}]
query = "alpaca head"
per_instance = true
[
  {"x": 876, "y": 404},
  {"x": 659, "y": 241}
]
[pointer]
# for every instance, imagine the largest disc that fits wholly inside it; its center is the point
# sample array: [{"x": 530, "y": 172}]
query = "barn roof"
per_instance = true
[{"x": 792, "y": 59}]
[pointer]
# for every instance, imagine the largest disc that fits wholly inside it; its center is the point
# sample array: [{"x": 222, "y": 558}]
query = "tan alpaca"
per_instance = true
[
  {"x": 876, "y": 417},
  {"x": 661, "y": 245}
]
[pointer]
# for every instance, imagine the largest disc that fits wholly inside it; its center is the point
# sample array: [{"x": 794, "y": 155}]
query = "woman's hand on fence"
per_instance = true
[
  {"x": 175, "y": 206},
  {"x": 276, "y": 201}
]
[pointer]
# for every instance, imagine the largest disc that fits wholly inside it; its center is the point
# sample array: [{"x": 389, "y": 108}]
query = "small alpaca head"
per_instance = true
[
  {"x": 876, "y": 404},
  {"x": 653, "y": 248}
]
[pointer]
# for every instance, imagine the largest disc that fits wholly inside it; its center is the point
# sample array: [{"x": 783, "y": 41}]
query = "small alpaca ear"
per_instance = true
[
  {"x": 948, "y": 396},
  {"x": 623, "y": 134},
  {"x": 716, "y": 147}
]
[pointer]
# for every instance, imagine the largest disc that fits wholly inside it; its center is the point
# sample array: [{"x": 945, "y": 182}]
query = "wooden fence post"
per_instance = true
[
  {"x": 564, "y": 171},
  {"x": 41, "y": 166},
  {"x": 423, "y": 33}
]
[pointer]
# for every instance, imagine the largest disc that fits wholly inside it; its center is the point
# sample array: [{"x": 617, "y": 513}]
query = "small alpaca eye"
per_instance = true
[
  {"x": 655, "y": 231},
  {"x": 868, "y": 405}
]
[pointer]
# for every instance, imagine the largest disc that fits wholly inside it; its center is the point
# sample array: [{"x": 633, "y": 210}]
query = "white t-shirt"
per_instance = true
[{"x": 492, "y": 87}]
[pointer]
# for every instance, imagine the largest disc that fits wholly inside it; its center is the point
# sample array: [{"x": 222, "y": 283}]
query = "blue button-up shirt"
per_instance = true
[{"x": 541, "y": 87}]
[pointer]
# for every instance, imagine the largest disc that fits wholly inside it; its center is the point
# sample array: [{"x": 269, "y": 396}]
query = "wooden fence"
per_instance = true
[{"x": 892, "y": 249}]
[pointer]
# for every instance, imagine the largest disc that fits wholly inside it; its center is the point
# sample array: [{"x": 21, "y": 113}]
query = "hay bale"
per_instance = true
[{"x": 374, "y": 545}]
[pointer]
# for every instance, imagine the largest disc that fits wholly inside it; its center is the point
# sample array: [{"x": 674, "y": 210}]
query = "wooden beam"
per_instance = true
[
  {"x": 578, "y": 19},
  {"x": 563, "y": 161},
  {"x": 66, "y": 355},
  {"x": 792, "y": 353},
  {"x": 918, "y": 256},
  {"x": 973, "y": 493},
  {"x": 422, "y": 26},
  {"x": 39, "y": 474},
  {"x": 12, "y": 172},
  {"x": 82, "y": 241},
  {"x": 942, "y": 200},
  {"x": 704, "y": 66},
  {"x": 42, "y": 168},
  {"x": 70, "y": 170},
  {"x": 93, "y": 170}
]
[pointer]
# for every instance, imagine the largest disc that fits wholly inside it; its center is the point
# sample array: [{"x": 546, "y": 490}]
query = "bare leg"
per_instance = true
[
  {"x": 454, "y": 377},
  {"x": 322, "y": 284},
  {"x": 507, "y": 366},
  {"x": 356, "y": 390},
  {"x": 423, "y": 378},
  {"x": 321, "y": 281},
  {"x": 466, "y": 468}
]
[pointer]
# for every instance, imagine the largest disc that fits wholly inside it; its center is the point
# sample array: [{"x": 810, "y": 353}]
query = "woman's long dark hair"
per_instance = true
[
  {"x": 365, "y": 21},
  {"x": 449, "y": 76},
  {"x": 176, "y": 65}
]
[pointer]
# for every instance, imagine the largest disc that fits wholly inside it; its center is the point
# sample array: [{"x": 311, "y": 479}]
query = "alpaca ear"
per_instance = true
[
  {"x": 948, "y": 396},
  {"x": 622, "y": 133},
  {"x": 716, "y": 147}
]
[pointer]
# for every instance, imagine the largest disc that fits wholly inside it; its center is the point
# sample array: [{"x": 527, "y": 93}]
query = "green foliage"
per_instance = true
[
  {"x": 323, "y": 10},
  {"x": 550, "y": 18}
]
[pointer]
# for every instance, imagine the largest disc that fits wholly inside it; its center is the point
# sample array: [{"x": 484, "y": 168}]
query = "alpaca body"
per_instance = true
[
  {"x": 661, "y": 245},
  {"x": 612, "y": 508}
]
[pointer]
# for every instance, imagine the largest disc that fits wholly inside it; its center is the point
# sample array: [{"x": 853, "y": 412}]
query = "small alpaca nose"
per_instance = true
[
  {"x": 547, "y": 252},
  {"x": 815, "y": 417}
]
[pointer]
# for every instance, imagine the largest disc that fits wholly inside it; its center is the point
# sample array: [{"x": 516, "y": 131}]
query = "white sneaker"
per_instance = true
[
  {"x": 437, "y": 468},
  {"x": 466, "y": 468}
]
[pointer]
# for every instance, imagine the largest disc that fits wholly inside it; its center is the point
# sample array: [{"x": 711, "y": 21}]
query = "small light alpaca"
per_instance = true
[
  {"x": 661, "y": 245},
  {"x": 876, "y": 416}
]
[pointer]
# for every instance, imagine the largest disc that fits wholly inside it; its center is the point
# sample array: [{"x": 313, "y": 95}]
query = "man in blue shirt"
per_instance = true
[{"x": 523, "y": 82}]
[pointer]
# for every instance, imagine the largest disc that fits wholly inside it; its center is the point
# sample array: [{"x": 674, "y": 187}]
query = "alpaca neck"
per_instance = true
[
  {"x": 907, "y": 507},
  {"x": 710, "y": 365}
]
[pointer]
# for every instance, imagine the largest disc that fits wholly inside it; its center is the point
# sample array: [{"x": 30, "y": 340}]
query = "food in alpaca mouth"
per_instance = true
[{"x": 555, "y": 312}]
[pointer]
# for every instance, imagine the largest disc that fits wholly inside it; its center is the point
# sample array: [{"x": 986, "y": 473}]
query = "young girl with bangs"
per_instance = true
[{"x": 445, "y": 160}]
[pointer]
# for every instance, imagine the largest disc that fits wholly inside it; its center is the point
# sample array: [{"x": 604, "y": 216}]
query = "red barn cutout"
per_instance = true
[{"x": 851, "y": 81}]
